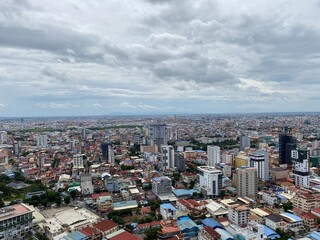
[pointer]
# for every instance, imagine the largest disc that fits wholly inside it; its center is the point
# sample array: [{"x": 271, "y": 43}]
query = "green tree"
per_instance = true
[
  {"x": 1, "y": 203},
  {"x": 287, "y": 206},
  {"x": 73, "y": 194},
  {"x": 58, "y": 200},
  {"x": 67, "y": 200},
  {"x": 151, "y": 233}
]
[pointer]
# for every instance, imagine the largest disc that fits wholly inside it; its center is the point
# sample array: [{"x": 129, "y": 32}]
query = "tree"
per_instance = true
[
  {"x": 222, "y": 194},
  {"x": 287, "y": 206},
  {"x": 67, "y": 200},
  {"x": 73, "y": 194},
  {"x": 1, "y": 203},
  {"x": 151, "y": 233},
  {"x": 58, "y": 200}
]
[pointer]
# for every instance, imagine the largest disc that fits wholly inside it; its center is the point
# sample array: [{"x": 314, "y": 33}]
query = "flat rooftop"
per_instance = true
[{"x": 14, "y": 211}]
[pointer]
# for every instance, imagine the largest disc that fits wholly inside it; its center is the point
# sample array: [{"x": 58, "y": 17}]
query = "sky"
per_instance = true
[{"x": 62, "y": 58}]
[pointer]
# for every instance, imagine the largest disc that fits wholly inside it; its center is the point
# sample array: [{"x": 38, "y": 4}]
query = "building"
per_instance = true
[
  {"x": 111, "y": 158},
  {"x": 260, "y": 161},
  {"x": 15, "y": 221},
  {"x": 42, "y": 140},
  {"x": 78, "y": 161},
  {"x": 168, "y": 212},
  {"x": 213, "y": 155},
  {"x": 161, "y": 185},
  {"x": 106, "y": 227},
  {"x": 238, "y": 214},
  {"x": 306, "y": 202},
  {"x": 105, "y": 151},
  {"x": 167, "y": 157},
  {"x": 244, "y": 142},
  {"x": 207, "y": 233},
  {"x": 3, "y": 137},
  {"x": 158, "y": 134},
  {"x": 210, "y": 180},
  {"x": 247, "y": 182},
  {"x": 300, "y": 168},
  {"x": 286, "y": 144},
  {"x": 180, "y": 162}
]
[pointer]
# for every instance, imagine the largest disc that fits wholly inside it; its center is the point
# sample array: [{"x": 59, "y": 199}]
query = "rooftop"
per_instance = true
[{"x": 14, "y": 211}]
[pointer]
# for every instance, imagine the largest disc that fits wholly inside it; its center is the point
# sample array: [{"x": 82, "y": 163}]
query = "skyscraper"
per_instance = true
[
  {"x": 260, "y": 161},
  {"x": 3, "y": 137},
  {"x": 158, "y": 133},
  {"x": 213, "y": 155},
  {"x": 42, "y": 140},
  {"x": 210, "y": 180},
  {"x": 244, "y": 142},
  {"x": 247, "y": 182},
  {"x": 286, "y": 144},
  {"x": 180, "y": 162},
  {"x": 105, "y": 151},
  {"x": 111, "y": 159},
  {"x": 167, "y": 156},
  {"x": 300, "y": 162}
]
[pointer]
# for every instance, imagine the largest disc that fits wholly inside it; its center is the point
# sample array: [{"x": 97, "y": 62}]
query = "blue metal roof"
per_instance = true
[
  {"x": 182, "y": 192},
  {"x": 224, "y": 234},
  {"x": 210, "y": 222},
  {"x": 185, "y": 223},
  {"x": 76, "y": 235},
  {"x": 168, "y": 206},
  {"x": 292, "y": 216},
  {"x": 315, "y": 235},
  {"x": 270, "y": 233}
]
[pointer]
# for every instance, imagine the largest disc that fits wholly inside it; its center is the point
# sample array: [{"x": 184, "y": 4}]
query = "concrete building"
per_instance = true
[
  {"x": 161, "y": 185},
  {"x": 247, "y": 182},
  {"x": 210, "y": 180},
  {"x": 180, "y": 162},
  {"x": 286, "y": 144},
  {"x": 244, "y": 142},
  {"x": 213, "y": 155},
  {"x": 168, "y": 212},
  {"x": 300, "y": 168},
  {"x": 15, "y": 221},
  {"x": 260, "y": 161},
  {"x": 3, "y": 137},
  {"x": 167, "y": 157},
  {"x": 42, "y": 140},
  {"x": 78, "y": 161},
  {"x": 158, "y": 133},
  {"x": 111, "y": 158},
  {"x": 238, "y": 214}
]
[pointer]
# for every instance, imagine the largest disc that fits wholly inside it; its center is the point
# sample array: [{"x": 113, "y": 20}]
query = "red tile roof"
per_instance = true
[
  {"x": 105, "y": 225},
  {"x": 89, "y": 231},
  {"x": 211, "y": 232}
]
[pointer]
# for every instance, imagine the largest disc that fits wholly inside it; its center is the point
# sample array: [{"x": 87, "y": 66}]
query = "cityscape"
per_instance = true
[{"x": 159, "y": 120}]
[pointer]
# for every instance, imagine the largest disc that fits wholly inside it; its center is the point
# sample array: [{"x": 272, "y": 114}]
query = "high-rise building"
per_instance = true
[
  {"x": 286, "y": 144},
  {"x": 84, "y": 133},
  {"x": 244, "y": 142},
  {"x": 3, "y": 137},
  {"x": 260, "y": 161},
  {"x": 213, "y": 155},
  {"x": 167, "y": 157},
  {"x": 111, "y": 159},
  {"x": 78, "y": 161},
  {"x": 42, "y": 140},
  {"x": 180, "y": 162},
  {"x": 210, "y": 180},
  {"x": 161, "y": 185},
  {"x": 17, "y": 148},
  {"x": 105, "y": 151},
  {"x": 247, "y": 182},
  {"x": 158, "y": 133},
  {"x": 300, "y": 162},
  {"x": 15, "y": 221}
]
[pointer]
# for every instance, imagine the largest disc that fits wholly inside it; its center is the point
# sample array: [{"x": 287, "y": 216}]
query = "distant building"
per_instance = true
[
  {"x": 260, "y": 161},
  {"x": 158, "y": 133},
  {"x": 105, "y": 151},
  {"x": 286, "y": 144},
  {"x": 247, "y": 182},
  {"x": 161, "y": 185},
  {"x": 167, "y": 157},
  {"x": 180, "y": 162},
  {"x": 213, "y": 155},
  {"x": 300, "y": 161},
  {"x": 42, "y": 140},
  {"x": 111, "y": 158},
  {"x": 15, "y": 222},
  {"x": 244, "y": 142},
  {"x": 210, "y": 180},
  {"x": 3, "y": 137},
  {"x": 78, "y": 161}
]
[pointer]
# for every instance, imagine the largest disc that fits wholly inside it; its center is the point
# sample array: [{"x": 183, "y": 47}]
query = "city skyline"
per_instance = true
[{"x": 94, "y": 58}]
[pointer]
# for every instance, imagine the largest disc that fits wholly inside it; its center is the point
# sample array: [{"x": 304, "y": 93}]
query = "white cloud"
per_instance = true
[
  {"x": 57, "y": 105},
  {"x": 2, "y": 105}
]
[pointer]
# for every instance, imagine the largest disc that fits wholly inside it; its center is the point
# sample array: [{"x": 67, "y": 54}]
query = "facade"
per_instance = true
[
  {"x": 238, "y": 214},
  {"x": 180, "y": 162},
  {"x": 158, "y": 133},
  {"x": 300, "y": 161},
  {"x": 260, "y": 161},
  {"x": 3, "y": 137},
  {"x": 306, "y": 201},
  {"x": 111, "y": 158},
  {"x": 161, "y": 185},
  {"x": 77, "y": 161},
  {"x": 42, "y": 140},
  {"x": 213, "y": 155},
  {"x": 15, "y": 221},
  {"x": 105, "y": 151},
  {"x": 167, "y": 157},
  {"x": 244, "y": 142},
  {"x": 247, "y": 182},
  {"x": 210, "y": 180},
  {"x": 286, "y": 144}
]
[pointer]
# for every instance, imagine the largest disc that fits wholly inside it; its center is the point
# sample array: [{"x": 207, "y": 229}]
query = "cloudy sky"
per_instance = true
[{"x": 158, "y": 56}]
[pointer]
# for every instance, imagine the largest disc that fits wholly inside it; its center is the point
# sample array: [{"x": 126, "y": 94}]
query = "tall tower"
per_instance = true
[
  {"x": 300, "y": 161},
  {"x": 167, "y": 156},
  {"x": 260, "y": 161},
  {"x": 213, "y": 154},
  {"x": 244, "y": 142},
  {"x": 247, "y": 182},
  {"x": 42, "y": 140},
  {"x": 105, "y": 151},
  {"x": 286, "y": 144},
  {"x": 111, "y": 155},
  {"x": 210, "y": 180},
  {"x": 158, "y": 133}
]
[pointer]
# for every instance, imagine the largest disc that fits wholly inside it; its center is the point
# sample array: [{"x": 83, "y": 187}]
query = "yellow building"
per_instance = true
[{"x": 241, "y": 160}]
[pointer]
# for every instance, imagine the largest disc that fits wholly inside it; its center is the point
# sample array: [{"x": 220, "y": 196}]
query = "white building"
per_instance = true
[
  {"x": 167, "y": 157},
  {"x": 210, "y": 180},
  {"x": 260, "y": 161},
  {"x": 168, "y": 212},
  {"x": 247, "y": 182},
  {"x": 42, "y": 140},
  {"x": 111, "y": 158},
  {"x": 3, "y": 137},
  {"x": 300, "y": 162},
  {"x": 77, "y": 161},
  {"x": 238, "y": 214},
  {"x": 158, "y": 133},
  {"x": 213, "y": 155}
]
